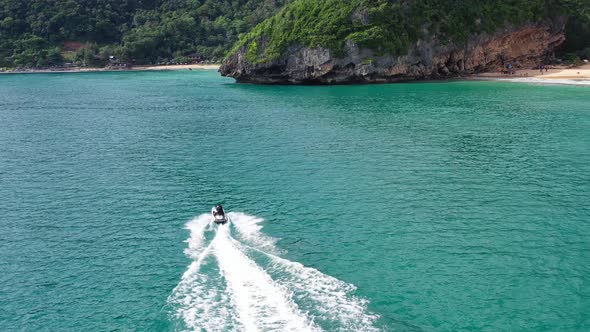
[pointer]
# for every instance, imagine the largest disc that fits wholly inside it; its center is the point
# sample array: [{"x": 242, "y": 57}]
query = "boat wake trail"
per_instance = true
[{"x": 240, "y": 283}]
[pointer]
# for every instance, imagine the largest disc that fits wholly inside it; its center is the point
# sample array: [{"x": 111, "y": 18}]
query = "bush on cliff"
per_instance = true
[{"x": 390, "y": 26}]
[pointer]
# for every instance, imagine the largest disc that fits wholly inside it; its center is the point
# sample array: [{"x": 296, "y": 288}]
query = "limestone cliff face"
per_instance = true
[{"x": 426, "y": 59}]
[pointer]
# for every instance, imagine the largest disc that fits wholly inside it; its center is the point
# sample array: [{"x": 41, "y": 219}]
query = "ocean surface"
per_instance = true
[{"x": 457, "y": 206}]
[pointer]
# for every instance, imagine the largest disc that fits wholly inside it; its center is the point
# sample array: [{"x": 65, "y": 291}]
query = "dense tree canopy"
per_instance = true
[
  {"x": 390, "y": 26},
  {"x": 32, "y": 32}
]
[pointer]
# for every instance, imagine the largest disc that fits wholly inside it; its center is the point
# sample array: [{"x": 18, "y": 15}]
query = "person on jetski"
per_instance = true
[{"x": 218, "y": 210}]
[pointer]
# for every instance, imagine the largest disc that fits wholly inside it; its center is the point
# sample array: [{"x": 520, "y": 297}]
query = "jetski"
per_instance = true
[{"x": 219, "y": 216}]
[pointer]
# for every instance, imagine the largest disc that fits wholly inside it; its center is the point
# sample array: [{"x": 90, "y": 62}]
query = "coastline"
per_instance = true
[
  {"x": 113, "y": 69},
  {"x": 558, "y": 75},
  {"x": 555, "y": 76}
]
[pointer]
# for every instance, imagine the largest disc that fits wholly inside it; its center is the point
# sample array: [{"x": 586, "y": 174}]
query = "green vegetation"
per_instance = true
[
  {"x": 33, "y": 32},
  {"x": 389, "y": 26},
  {"x": 38, "y": 32},
  {"x": 577, "y": 46}
]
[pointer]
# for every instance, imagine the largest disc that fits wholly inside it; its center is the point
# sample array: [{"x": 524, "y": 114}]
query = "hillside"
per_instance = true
[
  {"x": 336, "y": 41},
  {"x": 39, "y": 32}
]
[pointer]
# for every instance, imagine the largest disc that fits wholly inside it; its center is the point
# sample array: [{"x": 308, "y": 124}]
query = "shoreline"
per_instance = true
[
  {"x": 113, "y": 69},
  {"x": 558, "y": 75},
  {"x": 579, "y": 76},
  {"x": 535, "y": 80}
]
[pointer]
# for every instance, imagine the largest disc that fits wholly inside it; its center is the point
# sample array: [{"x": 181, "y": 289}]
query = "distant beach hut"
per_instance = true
[{"x": 195, "y": 57}]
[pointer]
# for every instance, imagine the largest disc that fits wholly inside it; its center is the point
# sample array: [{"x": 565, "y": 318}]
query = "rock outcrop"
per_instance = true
[{"x": 426, "y": 59}]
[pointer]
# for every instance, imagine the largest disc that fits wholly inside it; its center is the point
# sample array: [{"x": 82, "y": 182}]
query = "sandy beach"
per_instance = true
[
  {"x": 113, "y": 69},
  {"x": 177, "y": 67},
  {"x": 554, "y": 75}
]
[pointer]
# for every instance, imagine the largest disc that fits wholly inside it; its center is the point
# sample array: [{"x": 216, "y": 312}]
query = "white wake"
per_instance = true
[{"x": 241, "y": 284}]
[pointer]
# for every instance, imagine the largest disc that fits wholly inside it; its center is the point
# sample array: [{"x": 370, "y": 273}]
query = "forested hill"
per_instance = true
[
  {"x": 366, "y": 41},
  {"x": 34, "y": 32}
]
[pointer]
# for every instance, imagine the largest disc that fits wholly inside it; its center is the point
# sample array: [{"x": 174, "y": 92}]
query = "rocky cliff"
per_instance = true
[{"x": 426, "y": 58}]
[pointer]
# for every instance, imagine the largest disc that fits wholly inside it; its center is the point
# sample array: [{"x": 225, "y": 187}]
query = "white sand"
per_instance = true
[{"x": 561, "y": 75}]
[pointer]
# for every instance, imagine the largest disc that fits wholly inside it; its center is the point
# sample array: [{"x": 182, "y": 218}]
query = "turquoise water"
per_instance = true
[{"x": 459, "y": 206}]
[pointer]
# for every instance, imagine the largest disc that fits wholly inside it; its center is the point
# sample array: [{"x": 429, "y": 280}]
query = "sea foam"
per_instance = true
[{"x": 241, "y": 283}]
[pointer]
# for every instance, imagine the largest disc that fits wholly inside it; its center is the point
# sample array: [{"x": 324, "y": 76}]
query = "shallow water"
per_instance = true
[{"x": 420, "y": 207}]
